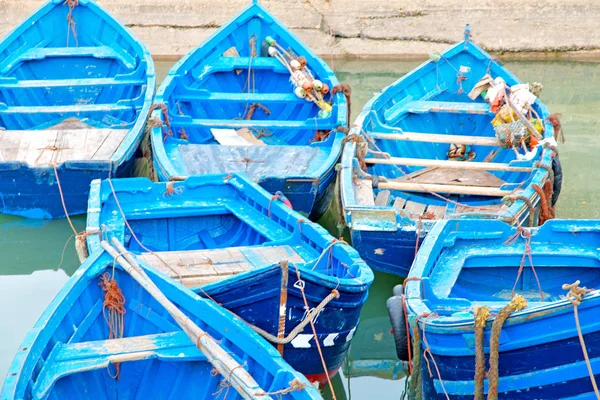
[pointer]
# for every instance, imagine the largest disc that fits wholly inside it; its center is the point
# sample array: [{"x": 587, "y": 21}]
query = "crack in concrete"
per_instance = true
[{"x": 210, "y": 25}]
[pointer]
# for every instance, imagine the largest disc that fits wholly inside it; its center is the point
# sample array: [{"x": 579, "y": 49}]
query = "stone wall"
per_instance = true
[{"x": 366, "y": 28}]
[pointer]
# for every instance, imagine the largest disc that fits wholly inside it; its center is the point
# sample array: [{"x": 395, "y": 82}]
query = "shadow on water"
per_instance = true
[{"x": 31, "y": 251}]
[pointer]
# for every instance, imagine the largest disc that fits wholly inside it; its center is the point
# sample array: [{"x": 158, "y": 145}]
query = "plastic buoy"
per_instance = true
[
  {"x": 272, "y": 51},
  {"x": 295, "y": 65},
  {"x": 300, "y": 92},
  {"x": 307, "y": 85},
  {"x": 317, "y": 85},
  {"x": 325, "y": 88}
]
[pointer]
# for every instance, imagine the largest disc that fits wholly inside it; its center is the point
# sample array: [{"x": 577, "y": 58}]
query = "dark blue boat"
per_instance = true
[
  {"x": 229, "y": 240},
  {"x": 75, "y": 92},
  {"x": 429, "y": 147},
  {"x": 71, "y": 353},
  {"x": 240, "y": 103},
  {"x": 466, "y": 265}
]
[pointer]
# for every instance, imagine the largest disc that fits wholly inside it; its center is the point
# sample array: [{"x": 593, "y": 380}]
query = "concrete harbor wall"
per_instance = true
[{"x": 367, "y": 28}]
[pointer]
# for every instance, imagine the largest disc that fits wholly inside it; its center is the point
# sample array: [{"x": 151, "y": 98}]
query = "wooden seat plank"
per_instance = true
[
  {"x": 439, "y": 212},
  {"x": 471, "y": 165},
  {"x": 414, "y": 209},
  {"x": 399, "y": 203},
  {"x": 110, "y": 145},
  {"x": 436, "y": 138},
  {"x": 383, "y": 197},
  {"x": 198, "y": 267},
  {"x": 55, "y": 146}
]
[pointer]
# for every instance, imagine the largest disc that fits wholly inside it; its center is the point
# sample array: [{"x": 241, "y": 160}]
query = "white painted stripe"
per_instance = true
[
  {"x": 329, "y": 339},
  {"x": 302, "y": 341},
  {"x": 350, "y": 334}
]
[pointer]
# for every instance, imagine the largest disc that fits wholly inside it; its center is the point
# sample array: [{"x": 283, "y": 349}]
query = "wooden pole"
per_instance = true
[
  {"x": 230, "y": 369},
  {"x": 450, "y": 189},
  {"x": 436, "y": 138},
  {"x": 283, "y": 304},
  {"x": 469, "y": 165}
]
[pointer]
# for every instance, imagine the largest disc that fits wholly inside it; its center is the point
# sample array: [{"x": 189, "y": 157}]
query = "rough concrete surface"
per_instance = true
[{"x": 366, "y": 28}]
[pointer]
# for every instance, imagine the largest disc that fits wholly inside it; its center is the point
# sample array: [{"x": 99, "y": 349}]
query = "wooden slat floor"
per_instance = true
[
  {"x": 55, "y": 146},
  {"x": 198, "y": 267}
]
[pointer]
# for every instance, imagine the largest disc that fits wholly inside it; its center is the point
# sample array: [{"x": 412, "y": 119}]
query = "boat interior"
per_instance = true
[
  {"x": 204, "y": 233},
  {"x": 229, "y": 101},
  {"x": 413, "y": 127},
  {"x": 77, "y": 89}
]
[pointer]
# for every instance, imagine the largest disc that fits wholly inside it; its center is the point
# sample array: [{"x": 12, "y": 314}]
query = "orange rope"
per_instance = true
[{"x": 113, "y": 311}]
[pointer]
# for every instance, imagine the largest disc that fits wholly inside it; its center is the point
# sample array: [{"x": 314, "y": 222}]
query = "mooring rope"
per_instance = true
[
  {"x": 575, "y": 296},
  {"x": 481, "y": 316},
  {"x": 516, "y": 304}
]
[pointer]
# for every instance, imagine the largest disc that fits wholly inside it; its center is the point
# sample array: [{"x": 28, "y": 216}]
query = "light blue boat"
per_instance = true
[
  {"x": 465, "y": 264},
  {"x": 423, "y": 150},
  {"x": 227, "y": 239},
  {"x": 69, "y": 355},
  {"x": 75, "y": 91},
  {"x": 236, "y": 80}
]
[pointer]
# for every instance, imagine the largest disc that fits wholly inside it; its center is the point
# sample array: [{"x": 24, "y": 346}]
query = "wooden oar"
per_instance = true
[{"x": 228, "y": 367}]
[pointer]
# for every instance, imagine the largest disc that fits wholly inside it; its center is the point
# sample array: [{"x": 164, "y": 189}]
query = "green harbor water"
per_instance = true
[{"x": 37, "y": 257}]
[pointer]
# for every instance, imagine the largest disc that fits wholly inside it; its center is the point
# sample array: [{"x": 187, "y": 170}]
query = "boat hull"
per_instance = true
[
  {"x": 34, "y": 192},
  {"x": 552, "y": 367},
  {"x": 255, "y": 297}
]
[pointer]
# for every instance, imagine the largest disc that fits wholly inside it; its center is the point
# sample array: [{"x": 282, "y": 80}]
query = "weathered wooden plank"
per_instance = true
[
  {"x": 70, "y": 145},
  {"x": 24, "y": 147},
  {"x": 471, "y": 165},
  {"x": 439, "y": 212},
  {"x": 93, "y": 140},
  {"x": 42, "y": 149},
  {"x": 197, "y": 267},
  {"x": 10, "y": 142},
  {"x": 363, "y": 190},
  {"x": 414, "y": 209},
  {"x": 444, "y": 176},
  {"x": 383, "y": 197},
  {"x": 436, "y": 138},
  {"x": 110, "y": 145},
  {"x": 450, "y": 189},
  {"x": 399, "y": 203}
]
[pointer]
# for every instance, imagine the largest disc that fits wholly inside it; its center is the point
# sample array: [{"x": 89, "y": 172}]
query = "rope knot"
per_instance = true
[
  {"x": 576, "y": 293},
  {"x": 482, "y": 313}
]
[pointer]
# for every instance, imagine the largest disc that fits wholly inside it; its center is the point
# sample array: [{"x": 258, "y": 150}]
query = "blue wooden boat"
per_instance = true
[
  {"x": 233, "y": 101},
  {"x": 466, "y": 265},
  {"x": 69, "y": 353},
  {"x": 75, "y": 91},
  {"x": 424, "y": 150},
  {"x": 227, "y": 239}
]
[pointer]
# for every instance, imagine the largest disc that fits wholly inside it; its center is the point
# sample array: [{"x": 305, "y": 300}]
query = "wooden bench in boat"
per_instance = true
[
  {"x": 55, "y": 146},
  {"x": 436, "y": 138},
  {"x": 256, "y": 161},
  {"x": 226, "y": 63},
  {"x": 69, "y": 109},
  {"x": 44, "y": 52},
  {"x": 71, "y": 358},
  {"x": 198, "y": 267},
  {"x": 425, "y": 106}
]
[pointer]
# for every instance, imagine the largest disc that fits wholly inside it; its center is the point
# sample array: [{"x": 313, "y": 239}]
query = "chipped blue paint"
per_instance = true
[
  {"x": 217, "y": 212},
  {"x": 67, "y": 353},
  {"x": 467, "y": 263},
  {"x": 207, "y": 90},
  {"x": 427, "y": 100},
  {"x": 105, "y": 77}
]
